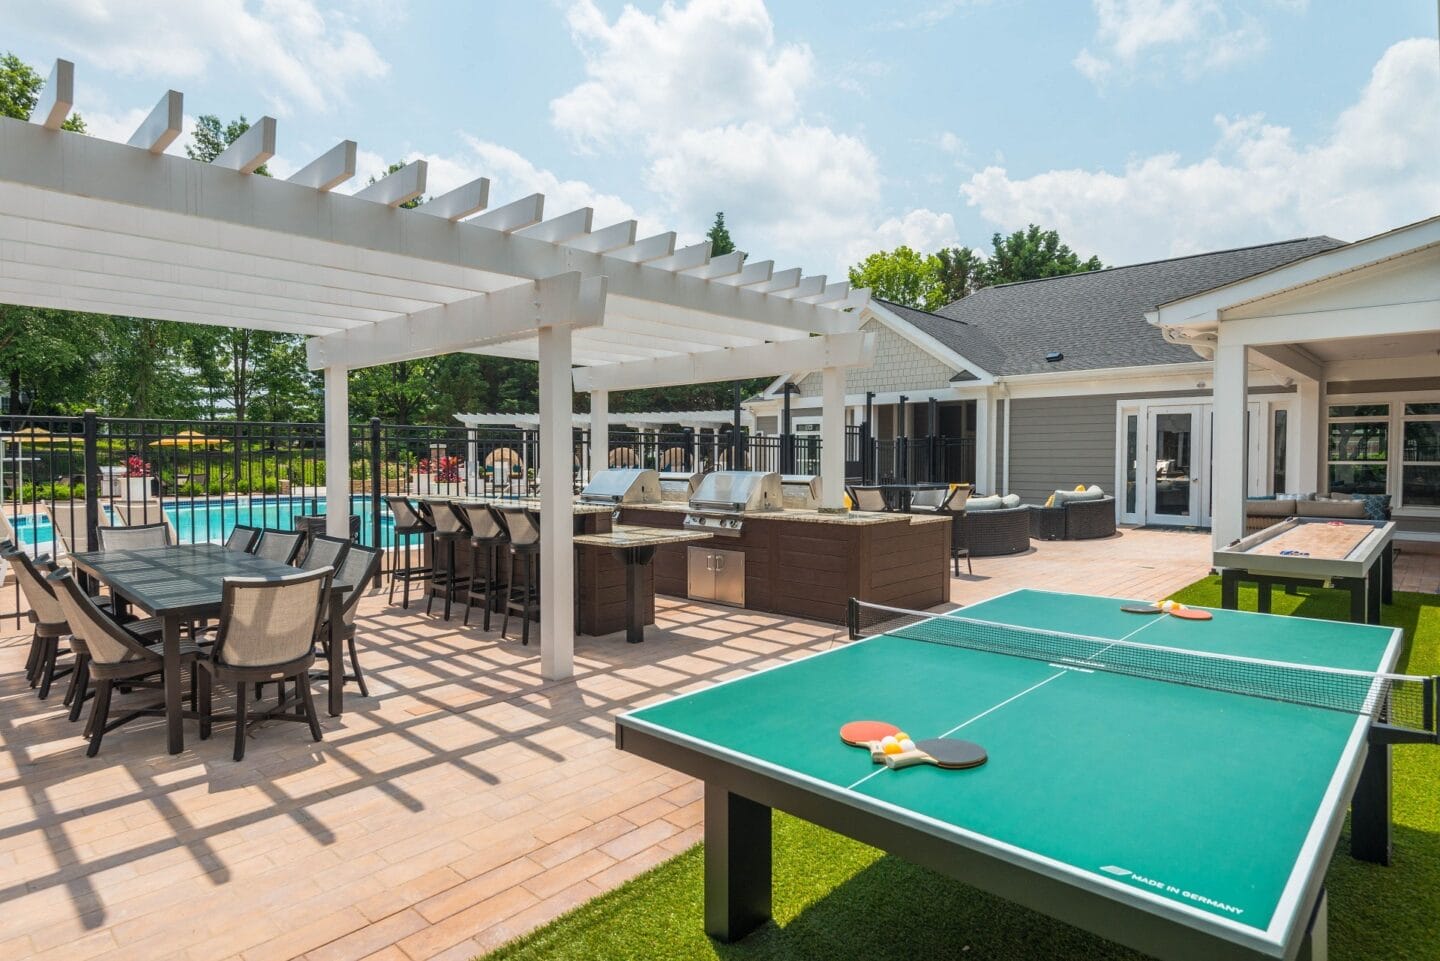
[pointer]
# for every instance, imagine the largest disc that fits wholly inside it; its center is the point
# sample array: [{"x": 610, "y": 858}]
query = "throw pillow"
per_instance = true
[
  {"x": 1050, "y": 501},
  {"x": 1010, "y": 500},
  {"x": 1375, "y": 505}
]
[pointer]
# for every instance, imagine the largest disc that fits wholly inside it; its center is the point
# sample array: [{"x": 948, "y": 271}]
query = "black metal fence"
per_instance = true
[{"x": 62, "y": 478}]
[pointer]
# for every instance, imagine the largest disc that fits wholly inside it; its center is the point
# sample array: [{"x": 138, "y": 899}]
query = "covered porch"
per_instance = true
[{"x": 1355, "y": 334}]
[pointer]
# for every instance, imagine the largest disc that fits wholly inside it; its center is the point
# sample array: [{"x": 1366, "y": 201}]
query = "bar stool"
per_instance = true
[
  {"x": 488, "y": 537},
  {"x": 408, "y": 523},
  {"x": 524, "y": 527},
  {"x": 452, "y": 525}
]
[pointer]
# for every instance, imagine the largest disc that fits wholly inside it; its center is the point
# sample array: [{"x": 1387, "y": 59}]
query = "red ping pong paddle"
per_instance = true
[
  {"x": 943, "y": 752},
  {"x": 1191, "y": 614},
  {"x": 861, "y": 733}
]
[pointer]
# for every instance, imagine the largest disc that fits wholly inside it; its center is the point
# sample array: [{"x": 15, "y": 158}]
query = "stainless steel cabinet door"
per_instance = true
[
  {"x": 700, "y": 574},
  {"x": 729, "y": 577}
]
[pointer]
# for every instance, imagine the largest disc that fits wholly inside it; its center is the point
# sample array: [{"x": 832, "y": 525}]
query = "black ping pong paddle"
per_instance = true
[
  {"x": 1140, "y": 609},
  {"x": 943, "y": 752}
]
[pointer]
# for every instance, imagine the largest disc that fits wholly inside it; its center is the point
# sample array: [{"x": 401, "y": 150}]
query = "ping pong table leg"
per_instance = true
[
  {"x": 1316, "y": 946},
  {"x": 737, "y": 864},
  {"x": 1370, "y": 808}
]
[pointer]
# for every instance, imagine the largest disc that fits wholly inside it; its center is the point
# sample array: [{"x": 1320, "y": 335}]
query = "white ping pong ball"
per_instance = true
[
  {"x": 888, "y": 739},
  {"x": 907, "y": 745}
]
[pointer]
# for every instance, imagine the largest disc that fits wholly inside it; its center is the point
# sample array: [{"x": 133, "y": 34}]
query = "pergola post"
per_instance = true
[
  {"x": 599, "y": 431},
  {"x": 832, "y": 439},
  {"x": 1228, "y": 447},
  {"x": 1305, "y": 434},
  {"x": 557, "y": 536},
  {"x": 337, "y": 451}
]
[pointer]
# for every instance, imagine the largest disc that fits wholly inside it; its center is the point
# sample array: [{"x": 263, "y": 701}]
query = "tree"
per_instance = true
[
  {"x": 1031, "y": 254},
  {"x": 719, "y": 234},
  {"x": 961, "y": 272},
  {"x": 210, "y": 139},
  {"x": 903, "y": 276}
]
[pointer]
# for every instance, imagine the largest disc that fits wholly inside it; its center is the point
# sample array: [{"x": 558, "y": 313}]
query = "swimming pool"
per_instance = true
[{"x": 197, "y": 522}]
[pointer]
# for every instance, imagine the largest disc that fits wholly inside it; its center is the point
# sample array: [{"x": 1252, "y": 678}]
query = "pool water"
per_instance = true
[{"x": 212, "y": 521}]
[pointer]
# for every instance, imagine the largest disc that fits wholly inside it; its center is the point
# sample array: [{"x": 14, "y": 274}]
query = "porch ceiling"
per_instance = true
[{"x": 1378, "y": 347}]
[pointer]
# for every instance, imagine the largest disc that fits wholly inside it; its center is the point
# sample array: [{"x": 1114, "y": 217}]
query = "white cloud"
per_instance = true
[
  {"x": 294, "y": 52},
  {"x": 1376, "y": 168},
  {"x": 1199, "y": 35},
  {"x": 706, "y": 64}
]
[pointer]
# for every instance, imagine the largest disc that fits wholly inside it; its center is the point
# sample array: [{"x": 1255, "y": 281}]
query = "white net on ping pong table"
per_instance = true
[{"x": 1396, "y": 699}]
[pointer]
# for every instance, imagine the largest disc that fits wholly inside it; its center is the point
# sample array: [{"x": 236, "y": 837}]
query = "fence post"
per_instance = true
[
  {"x": 92, "y": 483},
  {"x": 377, "y": 484}
]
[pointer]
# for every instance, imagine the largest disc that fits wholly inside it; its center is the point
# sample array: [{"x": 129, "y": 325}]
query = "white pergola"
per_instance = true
[{"x": 91, "y": 225}]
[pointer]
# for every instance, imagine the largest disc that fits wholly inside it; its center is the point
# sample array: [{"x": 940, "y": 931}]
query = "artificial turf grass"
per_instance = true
[{"x": 837, "y": 899}]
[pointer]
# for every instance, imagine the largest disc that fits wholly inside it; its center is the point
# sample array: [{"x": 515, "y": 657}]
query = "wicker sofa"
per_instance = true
[
  {"x": 1261, "y": 513},
  {"x": 1073, "y": 521},
  {"x": 991, "y": 533}
]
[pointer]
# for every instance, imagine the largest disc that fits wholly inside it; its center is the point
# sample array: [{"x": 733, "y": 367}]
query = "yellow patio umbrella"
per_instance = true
[
  {"x": 35, "y": 435},
  {"x": 187, "y": 438}
]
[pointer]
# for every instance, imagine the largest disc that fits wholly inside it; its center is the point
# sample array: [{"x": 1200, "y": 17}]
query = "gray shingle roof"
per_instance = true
[{"x": 1096, "y": 319}]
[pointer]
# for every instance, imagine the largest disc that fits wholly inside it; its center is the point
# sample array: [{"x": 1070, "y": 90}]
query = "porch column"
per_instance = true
[
  {"x": 557, "y": 536},
  {"x": 1228, "y": 448},
  {"x": 832, "y": 439},
  {"x": 984, "y": 446},
  {"x": 337, "y": 452},
  {"x": 599, "y": 431},
  {"x": 1307, "y": 435}
]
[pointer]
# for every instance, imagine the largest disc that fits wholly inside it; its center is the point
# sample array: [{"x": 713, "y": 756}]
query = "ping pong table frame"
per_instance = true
[{"x": 741, "y": 792}]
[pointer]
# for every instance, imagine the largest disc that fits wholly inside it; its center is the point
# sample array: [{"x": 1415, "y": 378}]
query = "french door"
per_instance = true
[{"x": 1163, "y": 462}]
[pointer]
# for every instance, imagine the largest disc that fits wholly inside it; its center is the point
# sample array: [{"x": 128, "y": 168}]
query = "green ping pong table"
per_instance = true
[{"x": 1176, "y": 786}]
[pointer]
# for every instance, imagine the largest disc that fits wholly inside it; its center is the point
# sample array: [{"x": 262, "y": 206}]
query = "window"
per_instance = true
[
  {"x": 1420, "y": 456},
  {"x": 1358, "y": 449}
]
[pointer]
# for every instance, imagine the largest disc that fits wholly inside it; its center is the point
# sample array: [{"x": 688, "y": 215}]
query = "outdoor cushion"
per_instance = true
[
  {"x": 1061, "y": 498},
  {"x": 1376, "y": 505},
  {"x": 1319, "y": 508},
  {"x": 1010, "y": 500},
  {"x": 928, "y": 499},
  {"x": 992, "y": 503},
  {"x": 1270, "y": 508}
]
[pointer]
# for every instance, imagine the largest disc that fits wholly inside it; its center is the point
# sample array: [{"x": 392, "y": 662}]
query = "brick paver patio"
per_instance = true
[{"x": 462, "y": 804}]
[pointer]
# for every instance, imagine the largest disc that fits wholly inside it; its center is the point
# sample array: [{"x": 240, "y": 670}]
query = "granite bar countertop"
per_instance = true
[
  {"x": 631, "y": 535},
  {"x": 801, "y": 516}
]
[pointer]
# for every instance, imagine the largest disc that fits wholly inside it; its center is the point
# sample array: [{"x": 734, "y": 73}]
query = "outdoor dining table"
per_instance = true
[
  {"x": 186, "y": 583},
  {"x": 898, "y": 495}
]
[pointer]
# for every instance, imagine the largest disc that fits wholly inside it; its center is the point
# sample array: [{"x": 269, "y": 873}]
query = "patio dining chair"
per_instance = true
[
  {"x": 242, "y": 538},
  {"x": 115, "y": 657},
  {"x": 268, "y": 630},
  {"x": 325, "y": 551},
  {"x": 42, "y": 663},
  {"x": 278, "y": 546},
  {"x": 408, "y": 523},
  {"x": 357, "y": 571},
  {"x": 134, "y": 538},
  {"x": 868, "y": 499}
]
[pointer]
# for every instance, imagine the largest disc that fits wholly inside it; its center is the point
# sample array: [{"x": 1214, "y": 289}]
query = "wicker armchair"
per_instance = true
[
  {"x": 1073, "y": 521},
  {"x": 996, "y": 532}
]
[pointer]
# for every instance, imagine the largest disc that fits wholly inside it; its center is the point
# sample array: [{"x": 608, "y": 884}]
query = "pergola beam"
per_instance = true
[
  {"x": 723, "y": 266},
  {"x": 643, "y": 251},
  {"x": 855, "y": 349},
  {"x": 807, "y": 287},
  {"x": 400, "y": 187},
  {"x": 513, "y": 216},
  {"x": 57, "y": 97},
  {"x": 249, "y": 151},
  {"x": 751, "y": 274},
  {"x": 164, "y": 123},
  {"x": 696, "y": 255},
  {"x": 560, "y": 229},
  {"x": 606, "y": 239},
  {"x": 517, "y": 311},
  {"x": 330, "y": 169},
  {"x": 459, "y": 203}
]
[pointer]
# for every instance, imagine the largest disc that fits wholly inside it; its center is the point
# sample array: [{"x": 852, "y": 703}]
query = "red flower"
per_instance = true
[
  {"x": 445, "y": 470},
  {"x": 136, "y": 466}
]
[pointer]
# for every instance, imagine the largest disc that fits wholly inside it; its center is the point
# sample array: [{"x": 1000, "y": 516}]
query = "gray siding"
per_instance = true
[
  {"x": 768, "y": 425},
  {"x": 1059, "y": 442}
]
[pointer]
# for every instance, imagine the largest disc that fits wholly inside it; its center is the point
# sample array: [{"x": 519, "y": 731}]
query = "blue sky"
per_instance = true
[{"x": 1140, "y": 128}]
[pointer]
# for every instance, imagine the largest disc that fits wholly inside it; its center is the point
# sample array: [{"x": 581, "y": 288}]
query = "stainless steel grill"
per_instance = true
[
  {"x": 679, "y": 485},
  {"x": 724, "y": 497},
  {"x": 800, "y": 491},
  {"x": 623, "y": 485}
]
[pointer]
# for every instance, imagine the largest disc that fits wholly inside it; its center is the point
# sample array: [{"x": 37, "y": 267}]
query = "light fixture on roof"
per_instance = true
[{"x": 1053, "y": 356}]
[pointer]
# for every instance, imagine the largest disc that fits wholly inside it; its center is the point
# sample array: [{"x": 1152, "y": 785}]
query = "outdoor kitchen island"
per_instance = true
[{"x": 800, "y": 562}]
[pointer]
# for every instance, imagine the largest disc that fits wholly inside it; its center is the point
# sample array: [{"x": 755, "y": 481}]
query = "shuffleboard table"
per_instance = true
[{"x": 1353, "y": 555}]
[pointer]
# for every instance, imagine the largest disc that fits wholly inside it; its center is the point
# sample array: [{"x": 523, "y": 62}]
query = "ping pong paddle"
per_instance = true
[
  {"x": 1191, "y": 614},
  {"x": 1140, "y": 609},
  {"x": 943, "y": 752},
  {"x": 861, "y": 733}
]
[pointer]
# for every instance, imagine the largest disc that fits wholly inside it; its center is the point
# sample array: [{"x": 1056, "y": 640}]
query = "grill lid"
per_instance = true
[
  {"x": 623, "y": 485},
  {"x": 744, "y": 491}
]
